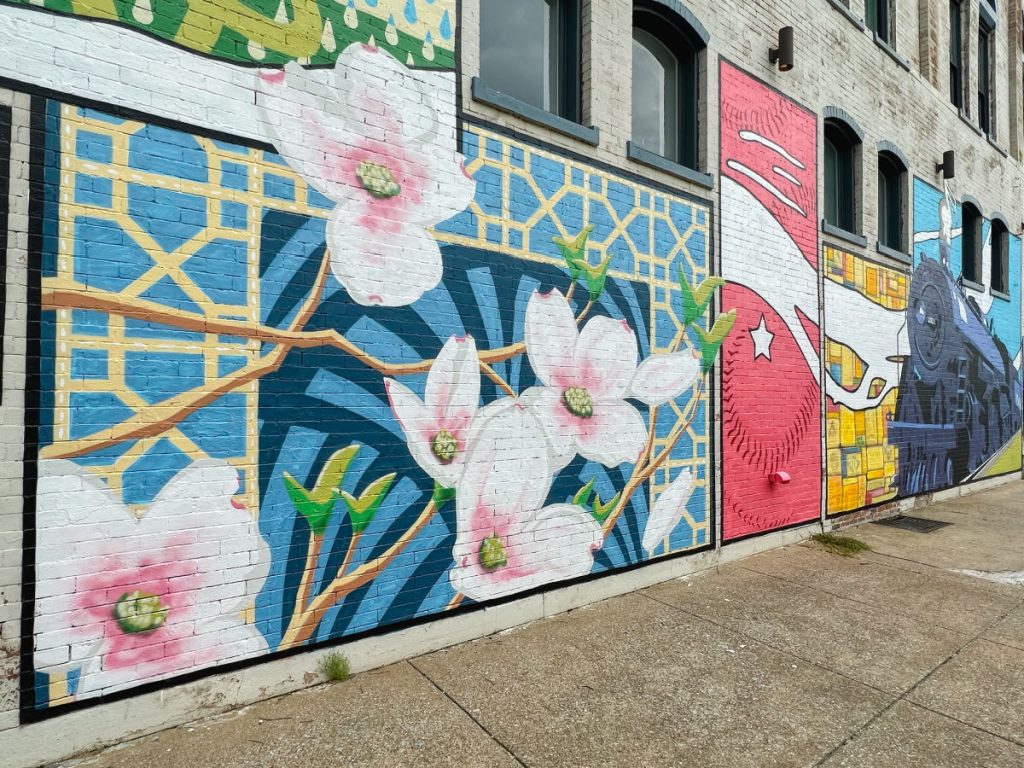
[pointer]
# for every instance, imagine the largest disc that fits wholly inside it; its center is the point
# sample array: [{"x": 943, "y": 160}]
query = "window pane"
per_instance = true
[
  {"x": 519, "y": 49},
  {"x": 831, "y": 184},
  {"x": 984, "y": 81},
  {"x": 955, "y": 55},
  {"x": 655, "y": 96}
]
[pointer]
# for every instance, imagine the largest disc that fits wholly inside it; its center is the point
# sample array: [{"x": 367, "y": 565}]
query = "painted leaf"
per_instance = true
[
  {"x": 695, "y": 302},
  {"x": 601, "y": 511},
  {"x": 711, "y": 341},
  {"x": 582, "y": 497},
  {"x": 574, "y": 251},
  {"x": 333, "y": 474},
  {"x": 362, "y": 510},
  {"x": 317, "y": 514}
]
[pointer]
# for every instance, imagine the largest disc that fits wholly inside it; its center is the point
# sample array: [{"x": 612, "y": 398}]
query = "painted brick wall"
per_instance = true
[{"x": 303, "y": 343}]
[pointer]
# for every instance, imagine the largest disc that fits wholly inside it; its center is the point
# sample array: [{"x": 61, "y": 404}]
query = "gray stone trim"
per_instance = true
[
  {"x": 971, "y": 284},
  {"x": 633, "y": 152},
  {"x": 586, "y": 133},
  {"x": 680, "y": 10},
  {"x": 887, "y": 146},
  {"x": 1001, "y": 295},
  {"x": 838, "y": 113},
  {"x": 842, "y": 234},
  {"x": 997, "y": 148},
  {"x": 1001, "y": 218},
  {"x": 850, "y": 15},
  {"x": 885, "y": 46},
  {"x": 972, "y": 200},
  {"x": 892, "y": 253}
]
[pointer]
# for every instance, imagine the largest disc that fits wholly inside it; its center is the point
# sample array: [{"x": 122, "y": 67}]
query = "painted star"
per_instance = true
[{"x": 762, "y": 339}]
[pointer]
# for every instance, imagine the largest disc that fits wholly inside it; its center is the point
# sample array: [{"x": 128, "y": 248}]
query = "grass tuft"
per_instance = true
[
  {"x": 334, "y": 666},
  {"x": 847, "y": 546}
]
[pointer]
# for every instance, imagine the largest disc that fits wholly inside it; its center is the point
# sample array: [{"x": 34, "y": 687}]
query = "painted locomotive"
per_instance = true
[{"x": 960, "y": 398}]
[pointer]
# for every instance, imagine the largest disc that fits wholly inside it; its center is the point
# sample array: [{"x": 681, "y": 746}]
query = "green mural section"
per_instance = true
[{"x": 419, "y": 33}]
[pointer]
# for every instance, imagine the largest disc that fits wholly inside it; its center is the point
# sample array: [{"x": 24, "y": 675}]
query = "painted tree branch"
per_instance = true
[
  {"x": 150, "y": 422},
  {"x": 103, "y": 301},
  {"x": 302, "y": 625}
]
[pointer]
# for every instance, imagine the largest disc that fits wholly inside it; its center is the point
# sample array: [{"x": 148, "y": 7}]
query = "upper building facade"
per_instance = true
[{"x": 326, "y": 318}]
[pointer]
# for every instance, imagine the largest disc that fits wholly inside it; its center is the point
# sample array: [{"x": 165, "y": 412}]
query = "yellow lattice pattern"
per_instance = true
[{"x": 116, "y": 344}]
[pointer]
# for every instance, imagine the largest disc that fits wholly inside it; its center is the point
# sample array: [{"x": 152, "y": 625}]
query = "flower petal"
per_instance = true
[
  {"x": 453, "y": 384},
  {"x": 293, "y": 104},
  {"x": 615, "y": 434},
  {"x": 389, "y": 270},
  {"x": 667, "y": 510},
  {"x": 550, "y": 334},
  {"x": 605, "y": 357},
  {"x": 506, "y": 474},
  {"x": 552, "y": 544},
  {"x": 661, "y": 378},
  {"x": 560, "y": 426},
  {"x": 420, "y": 425}
]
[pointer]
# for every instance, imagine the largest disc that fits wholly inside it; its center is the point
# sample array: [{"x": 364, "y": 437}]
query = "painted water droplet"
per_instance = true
[
  {"x": 410, "y": 11},
  {"x": 372, "y": 42},
  {"x": 428, "y": 48},
  {"x": 391, "y": 33},
  {"x": 351, "y": 17},
  {"x": 256, "y": 50},
  {"x": 409, "y": 60},
  {"x": 281, "y": 17},
  {"x": 304, "y": 61},
  {"x": 327, "y": 38},
  {"x": 446, "y": 26},
  {"x": 142, "y": 11},
  {"x": 371, "y": 3}
]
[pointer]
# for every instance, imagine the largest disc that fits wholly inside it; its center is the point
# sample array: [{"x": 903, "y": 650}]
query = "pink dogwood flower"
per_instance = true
[
  {"x": 368, "y": 135},
  {"x": 667, "y": 510},
  {"x": 129, "y": 599},
  {"x": 586, "y": 377},
  {"x": 437, "y": 428},
  {"x": 507, "y": 540}
]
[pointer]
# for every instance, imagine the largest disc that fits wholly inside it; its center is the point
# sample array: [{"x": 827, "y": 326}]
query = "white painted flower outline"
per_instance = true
[
  {"x": 437, "y": 428},
  {"x": 128, "y": 600},
  {"x": 367, "y": 135}
]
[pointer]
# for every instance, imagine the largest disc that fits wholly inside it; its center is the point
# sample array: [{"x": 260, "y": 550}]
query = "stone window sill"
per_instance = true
[
  {"x": 842, "y": 234},
  {"x": 1001, "y": 295},
  {"x": 972, "y": 285},
  {"x": 892, "y": 253},
  {"x": 512, "y": 105},
  {"x": 884, "y": 45},
  {"x": 850, "y": 15},
  {"x": 652, "y": 160}
]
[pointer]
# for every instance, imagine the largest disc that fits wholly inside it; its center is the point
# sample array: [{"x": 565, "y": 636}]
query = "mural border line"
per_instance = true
[
  {"x": 816, "y": 520},
  {"x": 6, "y": 149},
  {"x": 128, "y": 113},
  {"x": 32, "y": 413}
]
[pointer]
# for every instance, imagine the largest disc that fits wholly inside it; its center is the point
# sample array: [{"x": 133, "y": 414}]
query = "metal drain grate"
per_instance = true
[{"x": 916, "y": 524}]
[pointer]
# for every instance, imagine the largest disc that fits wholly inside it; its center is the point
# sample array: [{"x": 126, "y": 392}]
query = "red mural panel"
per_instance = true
[{"x": 771, "y": 397}]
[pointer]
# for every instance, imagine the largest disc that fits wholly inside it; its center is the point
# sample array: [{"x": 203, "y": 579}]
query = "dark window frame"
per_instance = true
[
  {"x": 567, "y": 101},
  {"x": 687, "y": 45},
  {"x": 840, "y": 174},
  {"x": 999, "y": 256},
  {"x": 891, "y": 179},
  {"x": 878, "y": 18},
  {"x": 956, "y": 53},
  {"x": 986, "y": 52},
  {"x": 970, "y": 243}
]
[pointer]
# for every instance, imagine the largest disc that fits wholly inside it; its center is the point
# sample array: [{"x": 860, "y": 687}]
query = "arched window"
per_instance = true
[
  {"x": 665, "y": 88},
  {"x": 891, "y": 175},
  {"x": 971, "y": 239},
  {"x": 841, "y": 143},
  {"x": 999, "y": 256}
]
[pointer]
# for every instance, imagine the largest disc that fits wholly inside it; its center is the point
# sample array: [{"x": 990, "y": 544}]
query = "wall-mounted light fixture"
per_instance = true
[
  {"x": 783, "y": 54},
  {"x": 948, "y": 164}
]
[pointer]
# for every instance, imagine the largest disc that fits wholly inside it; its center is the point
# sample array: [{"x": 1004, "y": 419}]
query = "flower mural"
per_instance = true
[
  {"x": 508, "y": 541},
  {"x": 125, "y": 599},
  {"x": 368, "y": 135},
  {"x": 667, "y": 510}
]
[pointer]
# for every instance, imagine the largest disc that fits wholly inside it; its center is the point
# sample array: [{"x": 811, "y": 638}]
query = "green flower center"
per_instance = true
[
  {"x": 492, "y": 553},
  {"x": 579, "y": 402},
  {"x": 377, "y": 180},
  {"x": 444, "y": 446},
  {"x": 140, "y": 611}
]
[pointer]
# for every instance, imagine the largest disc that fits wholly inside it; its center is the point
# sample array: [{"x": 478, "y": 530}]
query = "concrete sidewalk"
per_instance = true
[{"x": 797, "y": 657}]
